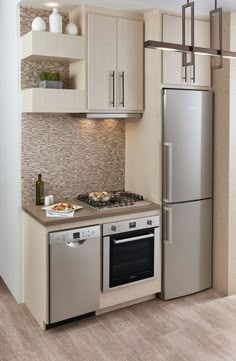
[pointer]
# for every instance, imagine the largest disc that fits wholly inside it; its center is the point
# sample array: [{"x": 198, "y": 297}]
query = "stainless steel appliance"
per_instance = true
[
  {"x": 74, "y": 272},
  {"x": 187, "y": 192},
  {"x": 131, "y": 252},
  {"x": 119, "y": 199}
]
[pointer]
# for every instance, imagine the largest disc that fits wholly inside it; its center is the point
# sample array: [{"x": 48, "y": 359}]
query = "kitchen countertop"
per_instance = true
[{"x": 84, "y": 214}]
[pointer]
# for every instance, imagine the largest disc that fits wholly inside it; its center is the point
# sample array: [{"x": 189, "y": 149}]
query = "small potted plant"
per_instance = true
[{"x": 50, "y": 79}]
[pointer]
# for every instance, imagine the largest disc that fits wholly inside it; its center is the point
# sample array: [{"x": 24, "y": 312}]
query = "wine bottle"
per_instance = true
[{"x": 39, "y": 191}]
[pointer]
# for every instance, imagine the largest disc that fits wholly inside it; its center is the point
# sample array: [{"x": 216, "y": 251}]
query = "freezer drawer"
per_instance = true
[
  {"x": 75, "y": 273},
  {"x": 187, "y": 248},
  {"x": 187, "y": 145}
]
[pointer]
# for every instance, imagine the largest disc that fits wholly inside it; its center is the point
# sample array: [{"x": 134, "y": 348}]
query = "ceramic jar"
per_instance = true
[
  {"x": 55, "y": 22},
  {"x": 38, "y": 24},
  {"x": 71, "y": 29}
]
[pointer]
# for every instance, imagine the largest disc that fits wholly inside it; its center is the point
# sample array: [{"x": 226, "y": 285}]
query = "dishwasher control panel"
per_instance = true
[{"x": 75, "y": 234}]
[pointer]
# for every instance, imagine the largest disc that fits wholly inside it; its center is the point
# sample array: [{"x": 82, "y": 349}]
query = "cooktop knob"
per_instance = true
[{"x": 113, "y": 228}]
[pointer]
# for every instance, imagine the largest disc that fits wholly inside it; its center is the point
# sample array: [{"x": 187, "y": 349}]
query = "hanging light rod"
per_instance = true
[
  {"x": 161, "y": 45},
  {"x": 192, "y": 49}
]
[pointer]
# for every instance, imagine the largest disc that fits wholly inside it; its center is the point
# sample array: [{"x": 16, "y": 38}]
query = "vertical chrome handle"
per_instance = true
[
  {"x": 184, "y": 73},
  {"x": 113, "y": 88},
  {"x": 193, "y": 77},
  {"x": 167, "y": 237},
  {"x": 167, "y": 172},
  {"x": 122, "y": 76}
]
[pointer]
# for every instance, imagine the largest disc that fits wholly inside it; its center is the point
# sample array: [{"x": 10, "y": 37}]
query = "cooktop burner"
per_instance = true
[{"x": 118, "y": 200}]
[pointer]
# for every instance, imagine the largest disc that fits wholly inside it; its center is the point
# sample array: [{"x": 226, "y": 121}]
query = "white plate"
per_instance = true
[{"x": 50, "y": 208}]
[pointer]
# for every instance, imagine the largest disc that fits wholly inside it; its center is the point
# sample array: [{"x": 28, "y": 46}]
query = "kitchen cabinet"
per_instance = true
[
  {"x": 130, "y": 64},
  {"x": 115, "y": 63},
  {"x": 172, "y": 70},
  {"x": 101, "y": 62}
]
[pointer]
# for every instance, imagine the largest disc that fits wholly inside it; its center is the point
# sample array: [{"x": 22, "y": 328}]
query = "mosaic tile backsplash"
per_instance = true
[{"x": 74, "y": 156}]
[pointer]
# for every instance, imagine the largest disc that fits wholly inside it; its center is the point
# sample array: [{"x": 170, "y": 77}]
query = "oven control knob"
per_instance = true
[
  {"x": 113, "y": 228},
  {"x": 149, "y": 222}
]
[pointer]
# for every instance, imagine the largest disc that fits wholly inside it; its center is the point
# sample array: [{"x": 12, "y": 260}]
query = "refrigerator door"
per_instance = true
[
  {"x": 187, "y": 248},
  {"x": 187, "y": 145}
]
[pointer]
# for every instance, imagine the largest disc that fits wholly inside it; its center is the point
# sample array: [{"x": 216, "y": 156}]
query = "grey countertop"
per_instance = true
[{"x": 85, "y": 214}]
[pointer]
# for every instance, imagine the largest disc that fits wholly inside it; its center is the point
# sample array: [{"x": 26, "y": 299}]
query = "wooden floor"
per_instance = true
[{"x": 201, "y": 327}]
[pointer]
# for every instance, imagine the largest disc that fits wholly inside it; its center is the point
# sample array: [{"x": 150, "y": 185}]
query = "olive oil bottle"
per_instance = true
[{"x": 39, "y": 191}]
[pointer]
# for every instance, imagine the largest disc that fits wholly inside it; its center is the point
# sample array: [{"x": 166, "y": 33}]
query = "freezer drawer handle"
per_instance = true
[
  {"x": 126, "y": 240},
  {"x": 168, "y": 175},
  {"x": 168, "y": 239}
]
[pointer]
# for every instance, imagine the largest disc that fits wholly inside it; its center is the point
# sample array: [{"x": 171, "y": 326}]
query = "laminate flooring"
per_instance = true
[{"x": 200, "y": 327}]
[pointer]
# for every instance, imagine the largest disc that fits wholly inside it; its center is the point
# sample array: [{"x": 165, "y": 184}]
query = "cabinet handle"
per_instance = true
[
  {"x": 122, "y": 75},
  {"x": 113, "y": 89},
  {"x": 193, "y": 78},
  {"x": 185, "y": 74}
]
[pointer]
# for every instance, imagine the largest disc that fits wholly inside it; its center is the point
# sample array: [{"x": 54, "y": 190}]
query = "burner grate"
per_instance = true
[{"x": 118, "y": 199}]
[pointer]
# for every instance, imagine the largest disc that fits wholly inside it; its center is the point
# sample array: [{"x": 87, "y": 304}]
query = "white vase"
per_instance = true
[
  {"x": 71, "y": 29},
  {"x": 38, "y": 24},
  {"x": 55, "y": 22}
]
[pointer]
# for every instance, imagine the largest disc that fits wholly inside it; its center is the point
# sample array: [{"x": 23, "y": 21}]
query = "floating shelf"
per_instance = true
[
  {"x": 41, "y": 45},
  {"x": 37, "y": 100}
]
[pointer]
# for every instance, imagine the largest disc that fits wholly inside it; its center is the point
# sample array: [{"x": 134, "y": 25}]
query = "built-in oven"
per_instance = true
[{"x": 131, "y": 252}]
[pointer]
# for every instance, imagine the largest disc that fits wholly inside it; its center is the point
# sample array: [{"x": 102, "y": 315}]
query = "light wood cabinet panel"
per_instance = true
[
  {"x": 173, "y": 72},
  {"x": 101, "y": 61},
  {"x": 40, "y": 45},
  {"x": 129, "y": 64},
  {"x": 38, "y": 100},
  {"x": 202, "y": 62}
]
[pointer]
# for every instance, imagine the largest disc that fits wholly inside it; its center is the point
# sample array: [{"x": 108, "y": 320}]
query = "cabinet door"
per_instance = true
[
  {"x": 202, "y": 62},
  {"x": 172, "y": 70},
  {"x": 101, "y": 62},
  {"x": 129, "y": 65}
]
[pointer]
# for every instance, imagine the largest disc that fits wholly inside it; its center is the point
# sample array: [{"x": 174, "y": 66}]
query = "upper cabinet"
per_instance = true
[
  {"x": 115, "y": 64},
  {"x": 173, "y": 71},
  {"x": 105, "y": 64},
  {"x": 130, "y": 64},
  {"x": 101, "y": 62},
  {"x": 202, "y": 62}
]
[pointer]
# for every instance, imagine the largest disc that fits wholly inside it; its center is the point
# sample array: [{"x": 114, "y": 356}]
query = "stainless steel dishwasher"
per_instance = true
[{"x": 74, "y": 273}]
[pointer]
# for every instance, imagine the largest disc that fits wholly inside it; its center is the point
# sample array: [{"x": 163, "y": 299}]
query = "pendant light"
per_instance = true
[{"x": 192, "y": 49}]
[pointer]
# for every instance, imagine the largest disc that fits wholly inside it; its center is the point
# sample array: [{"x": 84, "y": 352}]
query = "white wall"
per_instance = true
[{"x": 10, "y": 201}]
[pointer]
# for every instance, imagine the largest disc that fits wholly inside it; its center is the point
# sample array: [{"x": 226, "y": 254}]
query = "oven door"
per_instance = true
[{"x": 130, "y": 257}]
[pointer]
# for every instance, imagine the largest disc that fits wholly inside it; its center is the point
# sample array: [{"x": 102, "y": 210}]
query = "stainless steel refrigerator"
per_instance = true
[{"x": 187, "y": 191}]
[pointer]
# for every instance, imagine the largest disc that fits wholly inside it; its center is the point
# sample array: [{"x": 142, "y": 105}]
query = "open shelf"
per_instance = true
[
  {"x": 37, "y": 100},
  {"x": 40, "y": 45}
]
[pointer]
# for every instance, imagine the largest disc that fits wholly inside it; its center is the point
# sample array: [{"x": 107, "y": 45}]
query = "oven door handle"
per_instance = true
[{"x": 127, "y": 240}]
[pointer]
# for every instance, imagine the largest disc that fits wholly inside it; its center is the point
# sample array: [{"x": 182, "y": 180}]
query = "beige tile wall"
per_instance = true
[{"x": 74, "y": 156}]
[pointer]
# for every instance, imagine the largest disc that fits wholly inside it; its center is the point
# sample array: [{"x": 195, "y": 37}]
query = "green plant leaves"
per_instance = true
[{"x": 50, "y": 75}]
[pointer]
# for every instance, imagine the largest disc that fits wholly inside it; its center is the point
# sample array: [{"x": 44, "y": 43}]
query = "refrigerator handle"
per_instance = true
[
  {"x": 168, "y": 239},
  {"x": 168, "y": 173}
]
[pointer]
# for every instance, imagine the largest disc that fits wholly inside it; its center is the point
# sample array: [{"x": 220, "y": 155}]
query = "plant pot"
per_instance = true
[{"x": 51, "y": 84}]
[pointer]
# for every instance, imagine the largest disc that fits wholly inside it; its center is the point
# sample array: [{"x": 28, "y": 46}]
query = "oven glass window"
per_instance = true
[{"x": 131, "y": 257}]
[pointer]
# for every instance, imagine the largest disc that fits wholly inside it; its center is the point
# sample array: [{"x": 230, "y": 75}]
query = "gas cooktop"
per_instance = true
[{"x": 119, "y": 199}]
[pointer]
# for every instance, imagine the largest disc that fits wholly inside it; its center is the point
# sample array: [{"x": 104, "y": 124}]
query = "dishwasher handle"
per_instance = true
[{"x": 76, "y": 243}]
